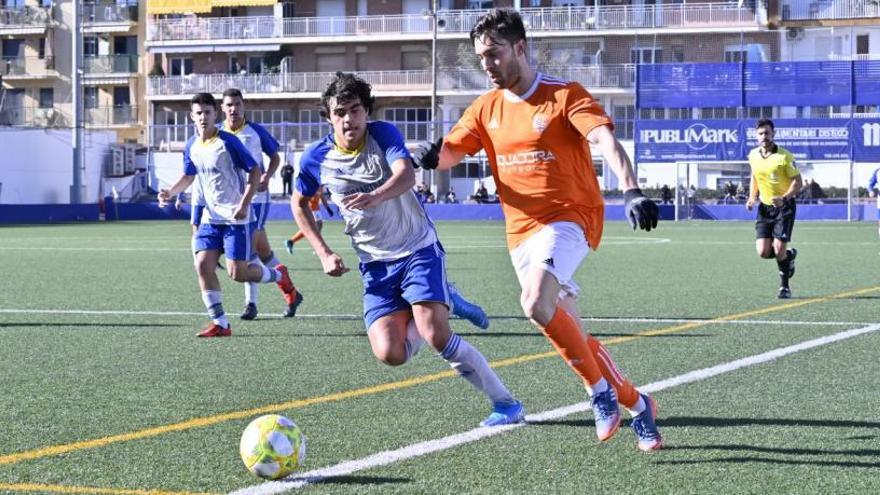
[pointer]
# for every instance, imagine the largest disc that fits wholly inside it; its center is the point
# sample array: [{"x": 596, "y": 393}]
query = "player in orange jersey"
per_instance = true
[
  {"x": 536, "y": 131},
  {"x": 315, "y": 206}
]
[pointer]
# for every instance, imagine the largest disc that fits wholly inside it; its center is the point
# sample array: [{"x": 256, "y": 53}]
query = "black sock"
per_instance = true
[{"x": 784, "y": 267}]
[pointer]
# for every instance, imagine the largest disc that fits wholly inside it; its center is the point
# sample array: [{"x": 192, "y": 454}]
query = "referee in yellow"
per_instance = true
[{"x": 776, "y": 181}]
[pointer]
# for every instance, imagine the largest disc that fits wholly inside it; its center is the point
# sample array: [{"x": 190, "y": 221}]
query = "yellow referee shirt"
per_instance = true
[{"x": 774, "y": 174}]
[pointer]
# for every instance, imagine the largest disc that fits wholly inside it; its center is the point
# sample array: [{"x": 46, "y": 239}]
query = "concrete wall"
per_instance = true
[{"x": 37, "y": 165}]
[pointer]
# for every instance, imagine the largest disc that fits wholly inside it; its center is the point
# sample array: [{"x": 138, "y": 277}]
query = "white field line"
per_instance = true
[
  {"x": 111, "y": 312},
  {"x": 431, "y": 446}
]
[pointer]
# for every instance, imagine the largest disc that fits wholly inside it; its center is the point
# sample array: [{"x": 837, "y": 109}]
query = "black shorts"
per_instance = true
[{"x": 776, "y": 223}]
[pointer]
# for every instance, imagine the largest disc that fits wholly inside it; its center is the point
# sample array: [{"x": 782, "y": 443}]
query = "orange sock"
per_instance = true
[
  {"x": 297, "y": 237},
  {"x": 627, "y": 394},
  {"x": 565, "y": 335}
]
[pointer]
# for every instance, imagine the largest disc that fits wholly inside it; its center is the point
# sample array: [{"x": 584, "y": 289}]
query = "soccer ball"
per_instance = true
[{"x": 272, "y": 447}]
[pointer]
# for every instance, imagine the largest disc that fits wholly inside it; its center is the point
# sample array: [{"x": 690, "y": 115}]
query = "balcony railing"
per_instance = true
[
  {"x": 24, "y": 17},
  {"x": 23, "y": 67},
  {"x": 593, "y": 77},
  {"x": 292, "y": 82},
  {"x": 110, "y": 64},
  {"x": 808, "y": 10},
  {"x": 105, "y": 13},
  {"x": 33, "y": 117},
  {"x": 111, "y": 116},
  {"x": 547, "y": 19}
]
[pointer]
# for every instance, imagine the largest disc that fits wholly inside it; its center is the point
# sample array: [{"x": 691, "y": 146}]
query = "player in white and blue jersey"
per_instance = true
[
  {"x": 227, "y": 178},
  {"x": 369, "y": 173},
  {"x": 258, "y": 142},
  {"x": 874, "y": 191}
]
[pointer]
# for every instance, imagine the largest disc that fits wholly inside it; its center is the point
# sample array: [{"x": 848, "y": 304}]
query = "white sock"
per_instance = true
[
  {"x": 414, "y": 341},
  {"x": 269, "y": 274},
  {"x": 251, "y": 292},
  {"x": 473, "y": 367},
  {"x": 271, "y": 261},
  {"x": 598, "y": 388},
  {"x": 639, "y": 408},
  {"x": 213, "y": 300}
]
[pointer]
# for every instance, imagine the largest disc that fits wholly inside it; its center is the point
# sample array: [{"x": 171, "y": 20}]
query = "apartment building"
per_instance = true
[
  {"x": 281, "y": 54},
  {"x": 37, "y": 64}
]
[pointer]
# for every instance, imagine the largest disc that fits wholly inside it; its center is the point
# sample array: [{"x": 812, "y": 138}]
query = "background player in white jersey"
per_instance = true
[
  {"x": 258, "y": 141},
  {"x": 369, "y": 173},
  {"x": 873, "y": 190},
  {"x": 219, "y": 162}
]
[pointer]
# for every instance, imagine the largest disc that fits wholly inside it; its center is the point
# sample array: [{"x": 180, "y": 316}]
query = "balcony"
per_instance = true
[
  {"x": 27, "y": 68},
  {"x": 108, "y": 17},
  {"x": 33, "y": 117},
  {"x": 117, "y": 116},
  {"x": 308, "y": 84},
  {"x": 25, "y": 20},
  {"x": 597, "y": 78},
  {"x": 547, "y": 21},
  {"x": 815, "y": 10},
  {"x": 110, "y": 65}
]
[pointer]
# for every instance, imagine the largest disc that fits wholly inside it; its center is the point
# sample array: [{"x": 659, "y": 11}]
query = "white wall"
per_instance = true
[
  {"x": 36, "y": 165},
  {"x": 167, "y": 167}
]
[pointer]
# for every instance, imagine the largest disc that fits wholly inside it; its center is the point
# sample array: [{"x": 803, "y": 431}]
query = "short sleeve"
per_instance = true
[
  {"x": 267, "y": 142},
  {"x": 390, "y": 141},
  {"x": 584, "y": 113},
  {"x": 308, "y": 179},
  {"x": 241, "y": 157},
  {"x": 465, "y": 134},
  {"x": 189, "y": 167},
  {"x": 791, "y": 170}
]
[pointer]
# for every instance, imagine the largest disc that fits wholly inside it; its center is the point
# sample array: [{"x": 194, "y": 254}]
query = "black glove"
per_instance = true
[
  {"x": 427, "y": 155},
  {"x": 640, "y": 210}
]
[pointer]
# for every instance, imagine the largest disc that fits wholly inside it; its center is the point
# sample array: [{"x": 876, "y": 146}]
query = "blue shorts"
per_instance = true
[
  {"x": 232, "y": 240},
  {"x": 195, "y": 214},
  {"x": 391, "y": 286},
  {"x": 261, "y": 213}
]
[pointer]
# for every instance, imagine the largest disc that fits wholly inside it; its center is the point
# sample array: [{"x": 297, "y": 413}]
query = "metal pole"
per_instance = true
[
  {"x": 434, "y": 132},
  {"x": 849, "y": 193},
  {"x": 76, "y": 100}
]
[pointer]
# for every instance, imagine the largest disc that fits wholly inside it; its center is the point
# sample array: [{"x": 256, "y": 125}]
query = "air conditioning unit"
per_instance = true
[
  {"x": 116, "y": 165},
  {"x": 128, "y": 152},
  {"x": 794, "y": 34}
]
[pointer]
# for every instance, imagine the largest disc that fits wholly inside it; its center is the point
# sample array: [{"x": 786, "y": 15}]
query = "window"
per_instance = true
[
  {"x": 680, "y": 113},
  {"x": 41, "y": 49},
  {"x": 121, "y": 96},
  {"x": 256, "y": 64},
  {"x": 180, "y": 66},
  {"x": 760, "y": 112},
  {"x": 862, "y": 44},
  {"x": 414, "y": 60},
  {"x": 413, "y": 123},
  {"x": 288, "y": 9},
  {"x": 477, "y": 4},
  {"x": 12, "y": 48},
  {"x": 719, "y": 113},
  {"x": 623, "y": 121},
  {"x": 125, "y": 45},
  {"x": 47, "y": 97},
  {"x": 646, "y": 55},
  {"x": 90, "y": 97},
  {"x": 330, "y": 62},
  {"x": 652, "y": 113},
  {"x": 90, "y": 46}
]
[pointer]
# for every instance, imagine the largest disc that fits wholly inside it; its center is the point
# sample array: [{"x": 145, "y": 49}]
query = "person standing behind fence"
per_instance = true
[{"x": 776, "y": 182}]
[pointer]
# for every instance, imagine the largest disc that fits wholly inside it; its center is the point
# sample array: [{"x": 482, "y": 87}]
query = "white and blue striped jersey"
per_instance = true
[
  {"x": 220, "y": 165},
  {"x": 257, "y": 140},
  {"x": 396, "y": 227}
]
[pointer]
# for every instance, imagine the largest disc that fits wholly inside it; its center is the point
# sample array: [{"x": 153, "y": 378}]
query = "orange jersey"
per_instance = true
[{"x": 538, "y": 154}]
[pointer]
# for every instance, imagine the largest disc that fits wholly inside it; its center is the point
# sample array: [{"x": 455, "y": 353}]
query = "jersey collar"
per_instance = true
[{"x": 514, "y": 98}]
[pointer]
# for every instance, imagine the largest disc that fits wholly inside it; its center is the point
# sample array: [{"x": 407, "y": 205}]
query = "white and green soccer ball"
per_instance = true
[{"x": 272, "y": 447}]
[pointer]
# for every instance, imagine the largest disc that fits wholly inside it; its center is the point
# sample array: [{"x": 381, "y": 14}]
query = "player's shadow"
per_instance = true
[
  {"x": 777, "y": 450},
  {"x": 95, "y": 325},
  {"x": 859, "y": 297},
  {"x": 766, "y": 460},
  {"x": 721, "y": 422},
  {"x": 300, "y": 334},
  {"x": 360, "y": 480}
]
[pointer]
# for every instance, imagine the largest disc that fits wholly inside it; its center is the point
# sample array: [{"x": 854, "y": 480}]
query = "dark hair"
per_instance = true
[
  {"x": 203, "y": 99},
  {"x": 233, "y": 93},
  {"x": 765, "y": 122},
  {"x": 505, "y": 24},
  {"x": 347, "y": 87}
]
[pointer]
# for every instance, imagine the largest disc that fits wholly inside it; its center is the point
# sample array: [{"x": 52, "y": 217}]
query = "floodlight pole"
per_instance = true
[{"x": 76, "y": 91}]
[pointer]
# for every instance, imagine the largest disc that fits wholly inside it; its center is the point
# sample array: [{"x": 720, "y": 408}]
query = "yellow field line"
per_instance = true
[
  {"x": 33, "y": 487},
  {"x": 385, "y": 387}
]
